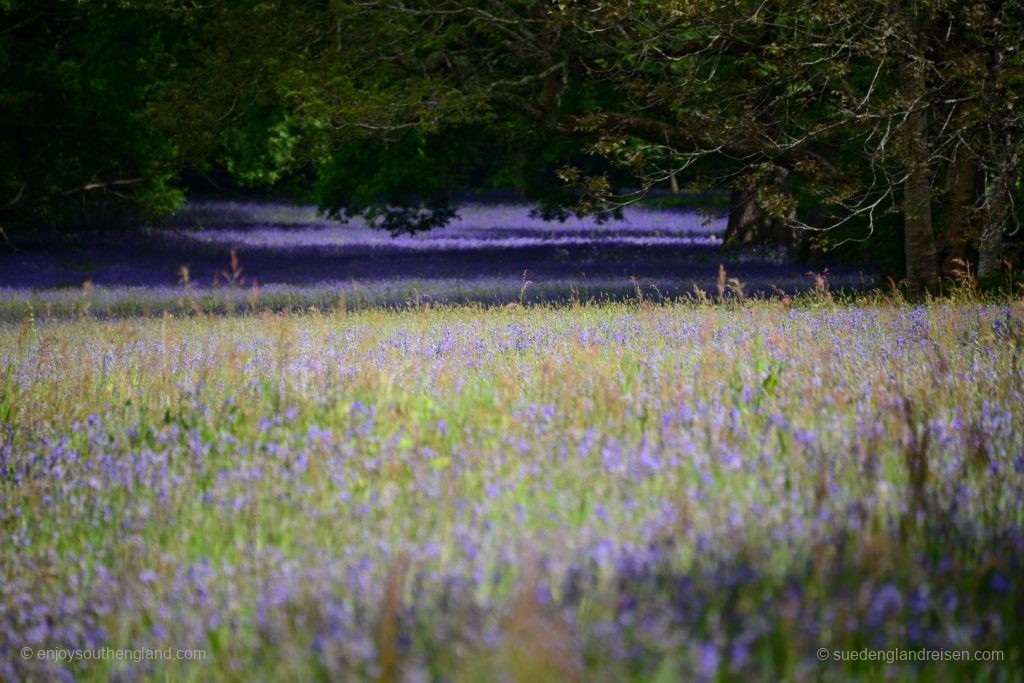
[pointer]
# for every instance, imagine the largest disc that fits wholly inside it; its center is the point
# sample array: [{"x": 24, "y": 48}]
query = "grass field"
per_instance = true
[{"x": 624, "y": 491}]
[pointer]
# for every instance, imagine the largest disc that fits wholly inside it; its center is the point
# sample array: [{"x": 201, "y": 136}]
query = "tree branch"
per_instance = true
[
  {"x": 20, "y": 200},
  {"x": 685, "y": 142}
]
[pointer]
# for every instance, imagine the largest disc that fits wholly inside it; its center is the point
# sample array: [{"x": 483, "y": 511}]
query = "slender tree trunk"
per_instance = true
[
  {"x": 673, "y": 183},
  {"x": 996, "y": 206},
  {"x": 963, "y": 176},
  {"x": 919, "y": 240},
  {"x": 990, "y": 242},
  {"x": 1006, "y": 139},
  {"x": 990, "y": 245}
]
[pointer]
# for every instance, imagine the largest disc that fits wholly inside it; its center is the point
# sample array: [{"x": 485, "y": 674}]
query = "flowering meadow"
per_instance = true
[
  {"x": 225, "y": 256},
  {"x": 640, "y": 489},
  {"x": 600, "y": 492}
]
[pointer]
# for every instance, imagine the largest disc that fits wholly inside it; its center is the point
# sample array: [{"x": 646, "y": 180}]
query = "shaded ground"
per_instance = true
[{"x": 282, "y": 245}]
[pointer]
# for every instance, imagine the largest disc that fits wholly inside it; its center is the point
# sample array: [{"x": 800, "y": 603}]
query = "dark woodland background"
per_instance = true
[{"x": 886, "y": 133}]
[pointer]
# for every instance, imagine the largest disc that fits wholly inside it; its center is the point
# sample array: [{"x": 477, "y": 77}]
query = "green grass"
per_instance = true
[{"x": 617, "y": 491}]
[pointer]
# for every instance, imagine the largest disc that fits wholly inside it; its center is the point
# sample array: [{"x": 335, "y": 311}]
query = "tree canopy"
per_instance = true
[
  {"x": 75, "y": 79},
  {"x": 827, "y": 120}
]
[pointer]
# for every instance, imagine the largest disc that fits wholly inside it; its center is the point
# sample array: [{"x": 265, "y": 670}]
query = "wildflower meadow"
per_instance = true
[
  {"x": 512, "y": 341},
  {"x": 632, "y": 489}
]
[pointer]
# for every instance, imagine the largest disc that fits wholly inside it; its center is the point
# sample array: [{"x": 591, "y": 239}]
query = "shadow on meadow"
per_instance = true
[{"x": 670, "y": 250}]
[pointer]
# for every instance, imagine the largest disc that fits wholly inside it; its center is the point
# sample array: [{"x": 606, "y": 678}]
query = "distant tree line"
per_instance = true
[{"x": 827, "y": 122}]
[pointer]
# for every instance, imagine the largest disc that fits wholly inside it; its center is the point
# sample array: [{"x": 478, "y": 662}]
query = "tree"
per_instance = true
[
  {"x": 958, "y": 110},
  {"x": 432, "y": 66},
  {"x": 816, "y": 116},
  {"x": 878, "y": 100},
  {"x": 73, "y": 136}
]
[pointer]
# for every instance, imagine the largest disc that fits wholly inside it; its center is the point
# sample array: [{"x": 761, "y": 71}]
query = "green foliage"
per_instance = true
[
  {"x": 393, "y": 108},
  {"x": 73, "y": 137},
  {"x": 403, "y": 183},
  {"x": 263, "y": 148},
  {"x": 406, "y": 184}
]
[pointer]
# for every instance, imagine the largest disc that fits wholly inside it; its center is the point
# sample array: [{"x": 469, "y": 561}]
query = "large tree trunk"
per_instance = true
[
  {"x": 919, "y": 241},
  {"x": 749, "y": 223},
  {"x": 963, "y": 179}
]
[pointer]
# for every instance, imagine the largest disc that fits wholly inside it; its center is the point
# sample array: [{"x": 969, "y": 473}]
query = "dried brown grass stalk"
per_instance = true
[{"x": 388, "y": 628}]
